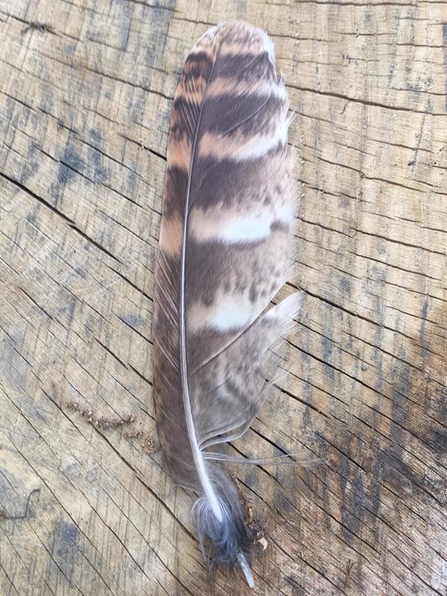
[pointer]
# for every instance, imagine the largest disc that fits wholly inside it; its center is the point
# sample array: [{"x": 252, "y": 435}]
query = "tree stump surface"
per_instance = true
[{"x": 86, "y": 90}]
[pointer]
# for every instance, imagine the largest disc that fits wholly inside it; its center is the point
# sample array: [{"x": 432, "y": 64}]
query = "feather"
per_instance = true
[{"x": 224, "y": 253}]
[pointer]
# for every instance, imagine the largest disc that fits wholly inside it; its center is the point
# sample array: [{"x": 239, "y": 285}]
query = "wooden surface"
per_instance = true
[{"x": 85, "y": 95}]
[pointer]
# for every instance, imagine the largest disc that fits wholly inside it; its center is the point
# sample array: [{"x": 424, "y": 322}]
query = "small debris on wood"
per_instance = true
[
  {"x": 102, "y": 423},
  {"x": 40, "y": 27},
  {"x": 348, "y": 572},
  {"x": 149, "y": 445},
  {"x": 249, "y": 518},
  {"x": 262, "y": 541},
  {"x": 258, "y": 535},
  {"x": 4, "y": 516}
]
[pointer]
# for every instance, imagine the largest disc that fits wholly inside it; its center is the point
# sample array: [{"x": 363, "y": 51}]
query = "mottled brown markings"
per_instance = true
[
  {"x": 235, "y": 267},
  {"x": 221, "y": 223},
  {"x": 223, "y": 392},
  {"x": 240, "y": 195},
  {"x": 254, "y": 178},
  {"x": 238, "y": 382},
  {"x": 238, "y": 397},
  {"x": 238, "y": 41},
  {"x": 186, "y": 109},
  {"x": 217, "y": 343},
  {"x": 225, "y": 113}
]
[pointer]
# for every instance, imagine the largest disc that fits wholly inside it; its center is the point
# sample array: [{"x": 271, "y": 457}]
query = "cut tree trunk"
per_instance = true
[{"x": 86, "y": 91}]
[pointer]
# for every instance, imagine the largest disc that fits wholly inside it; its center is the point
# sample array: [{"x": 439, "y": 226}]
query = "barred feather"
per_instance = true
[{"x": 225, "y": 248}]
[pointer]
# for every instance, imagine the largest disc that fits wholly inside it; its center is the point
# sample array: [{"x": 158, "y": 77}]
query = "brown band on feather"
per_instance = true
[
  {"x": 230, "y": 85},
  {"x": 243, "y": 186},
  {"x": 245, "y": 67},
  {"x": 245, "y": 115},
  {"x": 179, "y": 152},
  {"x": 171, "y": 231},
  {"x": 176, "y": 185}
]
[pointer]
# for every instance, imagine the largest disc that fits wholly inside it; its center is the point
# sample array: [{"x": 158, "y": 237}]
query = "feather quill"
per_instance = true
[{"x": 224, "y": 253}]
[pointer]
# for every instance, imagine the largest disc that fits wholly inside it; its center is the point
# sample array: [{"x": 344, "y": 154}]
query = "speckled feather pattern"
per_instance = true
[{"x": 225, "y": 251}]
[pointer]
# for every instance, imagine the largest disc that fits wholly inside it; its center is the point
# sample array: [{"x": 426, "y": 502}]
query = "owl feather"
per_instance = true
[{"x": 224, "y": 253}]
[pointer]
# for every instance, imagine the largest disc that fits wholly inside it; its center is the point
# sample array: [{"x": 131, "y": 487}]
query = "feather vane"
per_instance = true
[{"x": 224, "y": 253}]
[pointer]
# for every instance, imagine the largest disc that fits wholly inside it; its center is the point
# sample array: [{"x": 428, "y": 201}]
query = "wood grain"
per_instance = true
[{"x": 85, "y": 96}]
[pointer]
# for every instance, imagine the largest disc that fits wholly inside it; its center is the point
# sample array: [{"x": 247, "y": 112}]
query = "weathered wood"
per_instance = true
[{"x": 85, "y": 95}]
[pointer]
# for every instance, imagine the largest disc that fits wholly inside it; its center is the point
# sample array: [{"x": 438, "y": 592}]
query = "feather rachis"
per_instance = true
[{"x": 225, "y": 247}]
